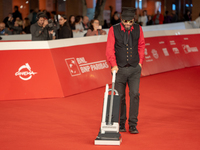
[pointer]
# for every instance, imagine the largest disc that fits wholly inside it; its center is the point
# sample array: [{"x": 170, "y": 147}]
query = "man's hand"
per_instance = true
[
  {"x": 51, "y": 32},
  {"x": 140, "y": 65},
  {"x": 115, "y": 68},
  {"x": 45, "y": 23}
]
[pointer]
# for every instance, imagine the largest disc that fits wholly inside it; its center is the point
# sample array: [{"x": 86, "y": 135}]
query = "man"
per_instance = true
[
  {"x": 4, "y": 30},
  {"x": 125, "y": 53},
  {"x": 16, "y": 13},
  {"x": 143, "y": 19},
  {"x": 158, "y": 18},
  {"x": 85, "y": 23},
  {"x": 39, "y": 30},
  {"x": 174, "y": 16}
]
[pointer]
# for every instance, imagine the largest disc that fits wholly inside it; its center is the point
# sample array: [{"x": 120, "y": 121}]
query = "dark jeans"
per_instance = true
[{"x": 130, "y": 75}]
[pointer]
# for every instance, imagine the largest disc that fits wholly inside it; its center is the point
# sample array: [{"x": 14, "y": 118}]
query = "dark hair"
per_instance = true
[
  {"x": 70, "y": 20},
  {"x": 53, "y": 12},
  {"x": 16, "y": 7},
  {"x": 91, "y": 26},
  {"x": 27, "y": 22},
  {"x": 48, "y": 15},
  {"x": 64, "y": 16},
  {"x": 144, "y": 11},
  {"x": 115, "y": 13},
  {"x": 77, "y": 19},
  {"x": 40, "y": 15}
]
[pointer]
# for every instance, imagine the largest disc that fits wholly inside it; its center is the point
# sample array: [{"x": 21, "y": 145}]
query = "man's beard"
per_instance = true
[{"x": 127, "y": 28}]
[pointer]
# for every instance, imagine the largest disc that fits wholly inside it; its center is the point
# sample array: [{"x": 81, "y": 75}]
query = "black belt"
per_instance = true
[{"x": 127, "y": 65}]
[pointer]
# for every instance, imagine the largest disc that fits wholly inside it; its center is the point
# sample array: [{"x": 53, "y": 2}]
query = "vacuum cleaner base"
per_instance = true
[{"x": 108, "y": 139}]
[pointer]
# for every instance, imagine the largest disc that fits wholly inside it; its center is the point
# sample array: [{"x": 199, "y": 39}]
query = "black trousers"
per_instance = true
[{"x": 131, "y": 76}]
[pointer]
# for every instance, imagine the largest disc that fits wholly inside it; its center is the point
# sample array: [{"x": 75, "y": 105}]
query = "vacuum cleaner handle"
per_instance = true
[
  {"x": 114, "y": 76},
  {"x": 111, "y": 99}
]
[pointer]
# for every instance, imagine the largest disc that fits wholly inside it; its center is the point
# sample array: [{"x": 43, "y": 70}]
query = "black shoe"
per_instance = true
[
  {"x": 122, "y": 128},
  {"x": 133, "y": 130}
]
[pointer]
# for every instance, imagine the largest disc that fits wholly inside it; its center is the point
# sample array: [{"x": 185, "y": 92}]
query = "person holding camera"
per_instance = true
[
  {"x": 40, "y": 30},
  {"x": 95, "y": 29}
]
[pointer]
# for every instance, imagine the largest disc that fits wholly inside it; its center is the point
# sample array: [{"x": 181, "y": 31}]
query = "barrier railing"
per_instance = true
[
  {"x": 170, "y": 26},
  {"x": 58, "y": 68}
]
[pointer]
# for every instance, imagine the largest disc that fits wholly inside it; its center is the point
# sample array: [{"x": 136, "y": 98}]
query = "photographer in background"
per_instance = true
[{"x": 41, "y": 30}]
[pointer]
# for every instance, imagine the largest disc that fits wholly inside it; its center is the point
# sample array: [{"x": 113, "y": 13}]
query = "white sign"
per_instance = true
[
  {"x": 165, "y": 52},
  {"x": 80, "y": 65},
  {"x": 175, "y": 50},
  {"x": 155, "y": 53},
  {"x": 188, "y": 49}
]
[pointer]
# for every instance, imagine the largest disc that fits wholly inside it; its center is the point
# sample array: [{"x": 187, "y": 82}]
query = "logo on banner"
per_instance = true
[
  {"x": 155, "y": 53},
  {"x": 73, "y": 67},
  {"x": 187, "y": 49},
  {"x": 165, "y": 52},
  {"x": 25, "y": 72},
  {"x": 175, "y": 50},
  {"x": 80, "y": 65},
  {"x": 172, "y": 42},
  {"x": 147, "y": 57}
]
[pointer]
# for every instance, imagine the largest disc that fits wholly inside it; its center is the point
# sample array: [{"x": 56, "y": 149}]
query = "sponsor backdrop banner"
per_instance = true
[
  {"x": 59, "y": 72},
  {"x": 168, "y": 53},
  {"x": 82, "y": 68}
]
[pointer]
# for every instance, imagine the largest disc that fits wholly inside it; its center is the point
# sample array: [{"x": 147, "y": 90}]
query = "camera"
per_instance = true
[{"x": 50, "y": 24}]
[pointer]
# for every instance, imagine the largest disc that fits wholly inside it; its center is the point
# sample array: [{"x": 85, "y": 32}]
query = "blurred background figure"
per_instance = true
[
  {"x": 78, "y": 24},
  {"x": 105, "y": 25},
  {"x": 34, "y": 17},
  {"x": 95, "y": 29},
  {"x": 85, "y": 23},
  {"x": 16, "y": 28},
  {"x": 167, "y": 18},
  {"x": 150, "y": 21},
  {"x": 198, "y": 21},
  {"x": 174, "y": 16},
  {"x": 64, "y": 31},
  {"x": 188, "y": 16},
  {"x": 115, "y": 18},
  {"x": 4, "y": 30},
  {"x": 6, "y": 19},
  {"x": 158, "y": 18},
  {"x": 143, "y": 19},
  {"x": 72, "y": 23},
  {"x": 30, "y": 16},
  {"x": 16, "y": 13},
  {"x": 26, "y": 26}
]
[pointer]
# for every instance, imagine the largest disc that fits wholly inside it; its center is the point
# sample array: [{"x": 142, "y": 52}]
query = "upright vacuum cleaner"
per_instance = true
[{"x": 109, "y": 131}]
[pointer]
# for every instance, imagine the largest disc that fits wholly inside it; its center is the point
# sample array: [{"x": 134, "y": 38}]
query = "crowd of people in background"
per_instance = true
[{"x": 63, "y": 27}]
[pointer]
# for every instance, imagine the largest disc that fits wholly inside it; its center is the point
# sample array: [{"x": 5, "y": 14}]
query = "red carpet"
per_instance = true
[{"x": 169, "y": 118}]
